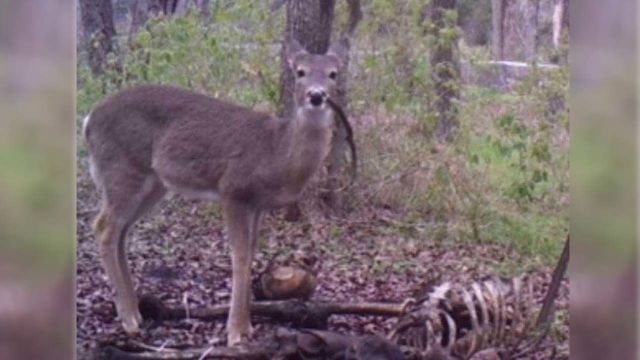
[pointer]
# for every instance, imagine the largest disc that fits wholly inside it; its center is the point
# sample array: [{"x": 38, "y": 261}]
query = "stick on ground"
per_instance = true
[{"x": 302, "y": 314}]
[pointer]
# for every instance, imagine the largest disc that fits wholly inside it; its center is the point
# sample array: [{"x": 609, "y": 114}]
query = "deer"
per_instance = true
[{"x": 150, "y": 140}]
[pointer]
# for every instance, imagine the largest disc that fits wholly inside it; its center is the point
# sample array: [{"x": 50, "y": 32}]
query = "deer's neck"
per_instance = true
[{"x": 311, "y": 139}]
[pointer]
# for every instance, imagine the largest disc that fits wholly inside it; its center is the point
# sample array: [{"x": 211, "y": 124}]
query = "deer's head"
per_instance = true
[{"x": 316, "y": 76}]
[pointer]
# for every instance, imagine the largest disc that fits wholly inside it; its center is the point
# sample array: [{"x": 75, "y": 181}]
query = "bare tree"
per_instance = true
[
  {"x": 141, "y": 10},
  {"x": 515, "y": 29},
  {"x": 472, "y": 20},
  {"x": 311, "y": 23},
  {"x": 497, "y": 37},
  {"x": 205, "y": 10},
  {"x": 560, "y": 20},
  {"x": 445, "y": 69},
  {"x": 531, "y": 14},
  {"x": 99, "y": 30},
  {"x": 520, "y": 29},
  {"x": 565, "y": 14}
]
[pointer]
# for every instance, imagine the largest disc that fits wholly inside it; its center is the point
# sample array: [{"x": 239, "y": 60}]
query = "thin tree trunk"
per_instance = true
[
  {"x": 141, "y": 10},
  {"x": 519, "y": 29},
  {"x": 99, "y": 30},
  {"x": 205, "y": 10},
  {"x": 557, "y": 23},
  {"x": 532, "y": 13},
  {"x": 565, "y": 14},
  {"x": 170, "y": 7},
  {"x": 181, "y": 7},
  {"x": 560, "y": 21},
  {"x": 445, "y": 72},
  {"x": 497, "y": 21}
]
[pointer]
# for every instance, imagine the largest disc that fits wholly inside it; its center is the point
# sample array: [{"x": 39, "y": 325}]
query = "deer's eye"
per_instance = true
[
  {"x": 300, "y": 73},
  {"x": 333, "y": 75}
]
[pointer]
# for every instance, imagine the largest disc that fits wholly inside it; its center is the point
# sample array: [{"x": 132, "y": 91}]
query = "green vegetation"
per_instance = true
[
  {"x": 228, "y": 60},
  {"x": 504, "y": 179}
]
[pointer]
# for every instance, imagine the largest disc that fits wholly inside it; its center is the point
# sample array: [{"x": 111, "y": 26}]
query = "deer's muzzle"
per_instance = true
[{"x": 316, "y": 97}]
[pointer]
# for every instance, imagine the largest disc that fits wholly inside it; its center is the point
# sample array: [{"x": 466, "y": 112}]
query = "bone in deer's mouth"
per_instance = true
[{"x": 352, "y": 146}]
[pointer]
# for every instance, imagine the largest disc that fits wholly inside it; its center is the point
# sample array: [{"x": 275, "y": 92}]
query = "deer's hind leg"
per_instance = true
[{"x": 127, "y": 195}]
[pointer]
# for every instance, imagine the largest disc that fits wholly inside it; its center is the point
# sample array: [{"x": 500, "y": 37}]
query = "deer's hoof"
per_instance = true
[
  {"x": 131, "y": 324},
  {"x": 235, "y": 336}
]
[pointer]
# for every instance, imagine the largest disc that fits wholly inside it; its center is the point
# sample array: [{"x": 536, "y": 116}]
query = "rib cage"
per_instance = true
[{"x": 463, "y": 320}]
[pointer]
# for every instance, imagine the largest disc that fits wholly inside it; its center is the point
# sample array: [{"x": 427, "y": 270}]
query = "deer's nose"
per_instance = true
[{"x": 316, "y": 96}]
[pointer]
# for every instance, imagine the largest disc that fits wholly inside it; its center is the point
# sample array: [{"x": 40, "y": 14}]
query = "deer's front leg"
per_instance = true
[{"x": 239, "y": 218}]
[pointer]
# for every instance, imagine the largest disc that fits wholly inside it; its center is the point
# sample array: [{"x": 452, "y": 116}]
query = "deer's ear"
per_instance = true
[
  {"x": 339, "y": 50},
  {"x": 293, "y": 50}
]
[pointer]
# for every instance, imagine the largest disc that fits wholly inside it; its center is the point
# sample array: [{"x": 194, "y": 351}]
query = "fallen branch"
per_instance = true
[
  {"x": 552, "y": 293},
  {"x": 257, "y": 352},
  {"x": 301, "y": 314}
]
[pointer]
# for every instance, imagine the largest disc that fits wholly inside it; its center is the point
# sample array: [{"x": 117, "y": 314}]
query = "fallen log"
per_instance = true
[{"x": 301, "y": 314}]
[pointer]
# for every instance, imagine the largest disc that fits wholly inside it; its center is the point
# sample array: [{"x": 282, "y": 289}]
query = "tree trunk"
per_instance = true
[
  {"x": 99, "y": 30},
  {"x": 515, "y": 27},
  {"x": 141, "y": 10},
  {"x": 497, "y": 38},
  {"x": 170, "y": 7},
  {"x": 560, "y": 21},
  {"x": 474, "y": 29},
  {"x": 205, "y": 10},
  {"x": 565, "y": 14},
  {"x": 531, "y": 13},
  {"x": 445, "y": 72}
]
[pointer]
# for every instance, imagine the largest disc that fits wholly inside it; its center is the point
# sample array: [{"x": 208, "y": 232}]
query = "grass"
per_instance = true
[{"x": 467, "y": 191}]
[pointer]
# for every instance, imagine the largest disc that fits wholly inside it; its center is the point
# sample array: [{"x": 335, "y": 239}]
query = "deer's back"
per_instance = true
[{"x": 187, "y": 138}]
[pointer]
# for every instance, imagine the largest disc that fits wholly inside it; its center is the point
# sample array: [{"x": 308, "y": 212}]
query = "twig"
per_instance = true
[
  {"x": 144, "y": 346},
  {"x": 543, "y": 321},
  {"x": 552, "y": 292}
]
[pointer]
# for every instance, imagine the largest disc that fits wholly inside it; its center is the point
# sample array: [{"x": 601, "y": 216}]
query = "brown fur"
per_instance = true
[{"x": 147, "y": 140}]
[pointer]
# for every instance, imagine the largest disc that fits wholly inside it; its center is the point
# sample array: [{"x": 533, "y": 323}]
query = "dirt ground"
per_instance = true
[{"x": 179, "y": 254}]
